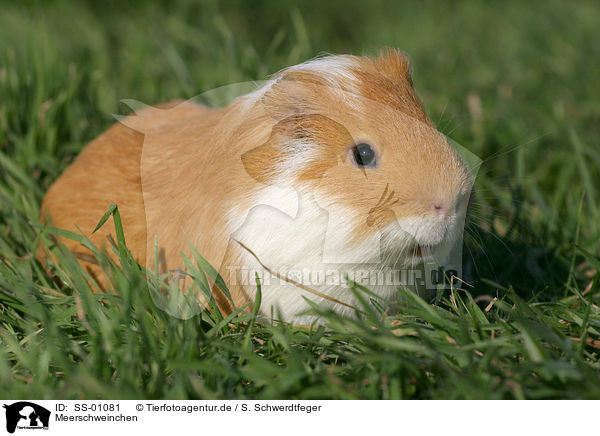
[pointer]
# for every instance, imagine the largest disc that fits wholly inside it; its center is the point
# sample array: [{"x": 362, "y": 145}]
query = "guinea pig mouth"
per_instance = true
[
  {"x": 423, "y": 251},
  {"x": 419, "y": 252}
]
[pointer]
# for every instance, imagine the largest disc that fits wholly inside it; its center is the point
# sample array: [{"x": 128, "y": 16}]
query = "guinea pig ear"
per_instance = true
[
  {"x": 290, "y": 96},
  {"x": 261, "y": 162},
  {"x": 294, "y": 136},
  {"x": 394, "y": 64}
]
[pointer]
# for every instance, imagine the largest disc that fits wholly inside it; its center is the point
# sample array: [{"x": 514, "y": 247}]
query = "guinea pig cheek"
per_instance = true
[{"x": 349, "y": 202}]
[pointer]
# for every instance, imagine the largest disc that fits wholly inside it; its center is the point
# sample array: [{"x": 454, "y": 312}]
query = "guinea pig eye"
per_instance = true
[{"x": 364, "y": 155}]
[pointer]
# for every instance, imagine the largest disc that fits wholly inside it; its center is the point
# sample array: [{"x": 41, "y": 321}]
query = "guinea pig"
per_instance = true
[{"x": 331, "y": 169}]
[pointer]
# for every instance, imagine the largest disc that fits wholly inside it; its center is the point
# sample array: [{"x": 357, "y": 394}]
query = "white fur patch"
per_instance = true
[{"x": 336, "y": 75}]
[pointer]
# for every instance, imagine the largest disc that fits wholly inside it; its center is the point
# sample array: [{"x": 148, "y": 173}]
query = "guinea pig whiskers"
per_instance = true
[
  {"x": 443, "y": 112},
  {"x": 501, "y": 153},
  {"x": 498, "y": 238},
  {"x": 483, "y": 250},
  {"x": 482, "y": 246}
]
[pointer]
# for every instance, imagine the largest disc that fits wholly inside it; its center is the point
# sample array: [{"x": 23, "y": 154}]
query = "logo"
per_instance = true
[{"x": 26, "y": 415}]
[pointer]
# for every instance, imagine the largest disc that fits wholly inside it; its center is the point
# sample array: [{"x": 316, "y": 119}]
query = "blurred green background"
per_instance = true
[{"x": 514, "y": 82}]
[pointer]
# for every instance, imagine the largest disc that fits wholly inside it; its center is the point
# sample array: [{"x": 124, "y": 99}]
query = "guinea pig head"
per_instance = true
[{"x": 351, "y": 132}]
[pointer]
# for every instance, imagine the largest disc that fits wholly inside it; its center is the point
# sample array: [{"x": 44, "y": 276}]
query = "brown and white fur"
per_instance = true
[{"x": 272, "y": 177}]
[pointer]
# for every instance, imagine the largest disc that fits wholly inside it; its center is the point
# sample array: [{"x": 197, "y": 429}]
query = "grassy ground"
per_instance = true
[{"x": 515, "y": 83}]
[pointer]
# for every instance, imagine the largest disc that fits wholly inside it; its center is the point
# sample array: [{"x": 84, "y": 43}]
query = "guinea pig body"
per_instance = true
[{"x": 329, "y": 170}]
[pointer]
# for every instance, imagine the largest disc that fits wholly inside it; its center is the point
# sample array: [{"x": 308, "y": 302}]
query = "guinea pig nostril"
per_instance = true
[{"x": 438, "y": 207}]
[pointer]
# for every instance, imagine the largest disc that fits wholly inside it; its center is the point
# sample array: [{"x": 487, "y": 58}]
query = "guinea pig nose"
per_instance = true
[{"x": 439, "y": 207}]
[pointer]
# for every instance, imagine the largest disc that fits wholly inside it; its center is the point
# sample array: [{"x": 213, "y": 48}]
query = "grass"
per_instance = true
[{"x": 514, "y": 83}]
